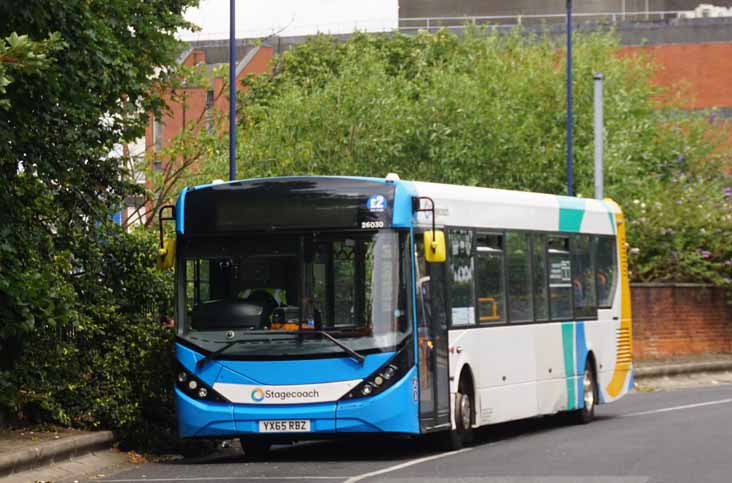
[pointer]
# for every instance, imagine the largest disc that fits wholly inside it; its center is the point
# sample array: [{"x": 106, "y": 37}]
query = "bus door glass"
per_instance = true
[{"x": 434, "y": 389}]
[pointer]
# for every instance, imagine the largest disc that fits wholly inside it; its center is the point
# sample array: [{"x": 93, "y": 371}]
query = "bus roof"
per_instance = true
[
  {"x": 477, "y": 207},
  {"x": 486, "y": 208}
]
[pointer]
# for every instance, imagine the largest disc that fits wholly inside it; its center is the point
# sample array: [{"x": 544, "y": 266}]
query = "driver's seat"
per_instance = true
[{"x": 268, "y": 299}]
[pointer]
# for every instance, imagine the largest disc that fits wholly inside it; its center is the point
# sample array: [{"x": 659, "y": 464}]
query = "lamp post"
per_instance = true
[
  {"x": 570, "y": 190},
  {"x": 232, "y": 90}
]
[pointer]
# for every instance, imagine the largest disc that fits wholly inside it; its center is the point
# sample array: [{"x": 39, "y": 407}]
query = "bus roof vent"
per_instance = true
[
  {"x": 391, "y": 177},
  {"x": 217, "y": 181}
]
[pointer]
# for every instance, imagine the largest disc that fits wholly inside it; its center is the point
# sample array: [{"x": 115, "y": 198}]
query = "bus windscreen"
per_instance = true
[{"x": 349, "y": 284}]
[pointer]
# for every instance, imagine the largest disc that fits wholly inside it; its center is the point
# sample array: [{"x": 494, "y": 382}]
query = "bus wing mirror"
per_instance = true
[
  {"x": 166, "y": 254},
  {"x": 166, "y": 249},
  {"x": 434, "y": 246}
]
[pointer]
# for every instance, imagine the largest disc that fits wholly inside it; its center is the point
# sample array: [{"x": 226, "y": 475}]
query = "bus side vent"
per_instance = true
[
  {"x": 623, "y": 257},
  {"x": 625, "y": 353}
]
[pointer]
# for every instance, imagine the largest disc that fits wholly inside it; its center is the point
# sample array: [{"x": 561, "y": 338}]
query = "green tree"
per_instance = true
[
  {"x": 58, "y": 177},
  {"x": 489, "y": 109},
  {"x": 20, "y": 53},
  {"x": 70, "y": 283}
]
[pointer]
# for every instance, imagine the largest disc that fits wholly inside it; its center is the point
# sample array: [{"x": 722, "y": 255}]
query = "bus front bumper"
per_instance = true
[{"x": 393, "y": 411}]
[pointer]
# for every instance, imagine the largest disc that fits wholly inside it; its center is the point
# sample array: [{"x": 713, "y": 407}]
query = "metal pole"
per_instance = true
[
  {"x": 232, "y": 90},
  {"x": 570, "y": 190},
  {"x": 598, "y": 136}
]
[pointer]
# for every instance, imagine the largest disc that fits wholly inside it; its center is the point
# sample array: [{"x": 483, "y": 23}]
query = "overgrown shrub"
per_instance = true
[{"x": 113, "y": 367}]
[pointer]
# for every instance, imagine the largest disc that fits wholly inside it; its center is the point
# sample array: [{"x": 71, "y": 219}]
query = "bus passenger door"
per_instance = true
[{"x": 432, "y": 347}]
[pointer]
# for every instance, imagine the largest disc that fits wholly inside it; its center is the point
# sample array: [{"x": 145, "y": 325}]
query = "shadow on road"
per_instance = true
[{"x": 381, "y": 448}]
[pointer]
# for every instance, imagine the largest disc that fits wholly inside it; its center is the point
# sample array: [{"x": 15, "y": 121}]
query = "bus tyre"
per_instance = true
[
  {"x": 254, "y": 449},
  {"x": 589, "y": 385},
  {"x": 463, "y": 432}
]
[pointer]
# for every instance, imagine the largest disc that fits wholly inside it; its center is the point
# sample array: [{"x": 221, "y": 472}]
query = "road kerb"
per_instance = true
[
  {"x": 54, "y": 451},
  {"x": 681, "y": 368}
]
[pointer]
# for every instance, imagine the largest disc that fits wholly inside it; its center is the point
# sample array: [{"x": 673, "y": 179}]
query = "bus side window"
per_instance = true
[
  {"x": 490, "y": 289},
  {"x": 460, "y": 249},
  {"x": 541, "y": 298},
  {"x": 606, "y": 261},
  {"x": 560, "y": 278},
  {"x": 519, "y": 277},
  {"x": 583, "y": 278}
]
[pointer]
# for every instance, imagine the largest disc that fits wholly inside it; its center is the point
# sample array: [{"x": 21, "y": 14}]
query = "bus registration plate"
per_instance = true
[{"x": 285, "y": 426}]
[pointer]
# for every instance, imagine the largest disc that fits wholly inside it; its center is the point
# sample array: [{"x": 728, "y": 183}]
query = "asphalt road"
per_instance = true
[{"x": 676, "y": 436}]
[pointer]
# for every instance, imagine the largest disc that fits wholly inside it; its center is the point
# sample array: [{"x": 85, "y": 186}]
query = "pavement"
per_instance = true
[
  {"x": 64, "y": 454},
  {"x": 68, "y": 455}
]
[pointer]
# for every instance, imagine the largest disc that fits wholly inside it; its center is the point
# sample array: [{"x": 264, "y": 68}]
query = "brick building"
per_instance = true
[{"x": 191, "y": 107}]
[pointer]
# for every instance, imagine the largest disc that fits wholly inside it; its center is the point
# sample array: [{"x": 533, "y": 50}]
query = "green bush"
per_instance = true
[
  {"x": 113, "y": 367},
  {"x": 680, "y": 222}
]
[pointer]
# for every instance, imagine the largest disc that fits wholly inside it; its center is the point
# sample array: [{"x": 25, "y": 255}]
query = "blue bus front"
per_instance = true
[{"x": 295, "y": 309}]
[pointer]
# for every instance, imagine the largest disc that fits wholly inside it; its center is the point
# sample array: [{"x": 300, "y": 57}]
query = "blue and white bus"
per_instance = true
[{"x": 320, "y": 307}]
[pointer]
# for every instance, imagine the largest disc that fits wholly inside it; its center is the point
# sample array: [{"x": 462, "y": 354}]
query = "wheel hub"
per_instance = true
[
  {"x": 465, "y": 411},
  {"x": 589, "y": 391}
]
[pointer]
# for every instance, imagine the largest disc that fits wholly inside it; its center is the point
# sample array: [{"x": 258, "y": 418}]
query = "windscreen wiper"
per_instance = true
[
  {"x": 359, "y": 358},
  {"x": 213, "y": 355},
  {"x": 340, "y": 344}
]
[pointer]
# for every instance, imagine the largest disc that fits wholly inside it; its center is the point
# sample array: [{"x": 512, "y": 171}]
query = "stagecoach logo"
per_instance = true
[
  {"x": 285, "y": 394},
  {"x": 257, "y": 394},
  {"x": 376, "y": 203}
]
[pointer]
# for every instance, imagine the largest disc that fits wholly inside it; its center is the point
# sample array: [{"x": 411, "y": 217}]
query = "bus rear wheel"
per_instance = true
[
  {"x": 254, "y": 448},
  {"x": 589, "y": 384}
]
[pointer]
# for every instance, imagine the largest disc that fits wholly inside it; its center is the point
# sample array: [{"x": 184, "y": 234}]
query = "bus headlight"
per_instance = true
[
  {"x": 385, "y": 377},
  {"x": 196, "y": 388}
]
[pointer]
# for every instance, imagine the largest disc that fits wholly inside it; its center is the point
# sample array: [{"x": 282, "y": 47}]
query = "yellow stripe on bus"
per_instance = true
[{"x": 624, "y": 348}]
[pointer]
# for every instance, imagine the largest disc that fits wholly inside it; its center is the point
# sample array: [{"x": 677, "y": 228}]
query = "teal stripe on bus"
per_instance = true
[
  {"x": 571, "y": 212},
  {"x": 568, "y": 345}
]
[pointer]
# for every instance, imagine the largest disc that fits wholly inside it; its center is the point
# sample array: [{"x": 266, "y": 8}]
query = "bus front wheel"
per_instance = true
[
  {"x": 463, "y": 432},
  {"x": 589, "y": 386}
]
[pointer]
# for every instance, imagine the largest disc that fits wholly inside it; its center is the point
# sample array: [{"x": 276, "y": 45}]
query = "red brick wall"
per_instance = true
[
  {"x": 705, "y": 70},
  {"x": 678, "y": 320},
  {"x": 191, "y": 108}
]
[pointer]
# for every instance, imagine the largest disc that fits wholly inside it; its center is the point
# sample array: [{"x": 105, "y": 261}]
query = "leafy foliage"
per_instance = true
[
  {"x": 80, "y": 341},
  {"x": 488, "y": 109},
  {"x": 20, "y": 53},
  {"x": 113, "y": 367},
  {"x": 59, "y": 178},
  {"x": 680, "y": 221}
]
